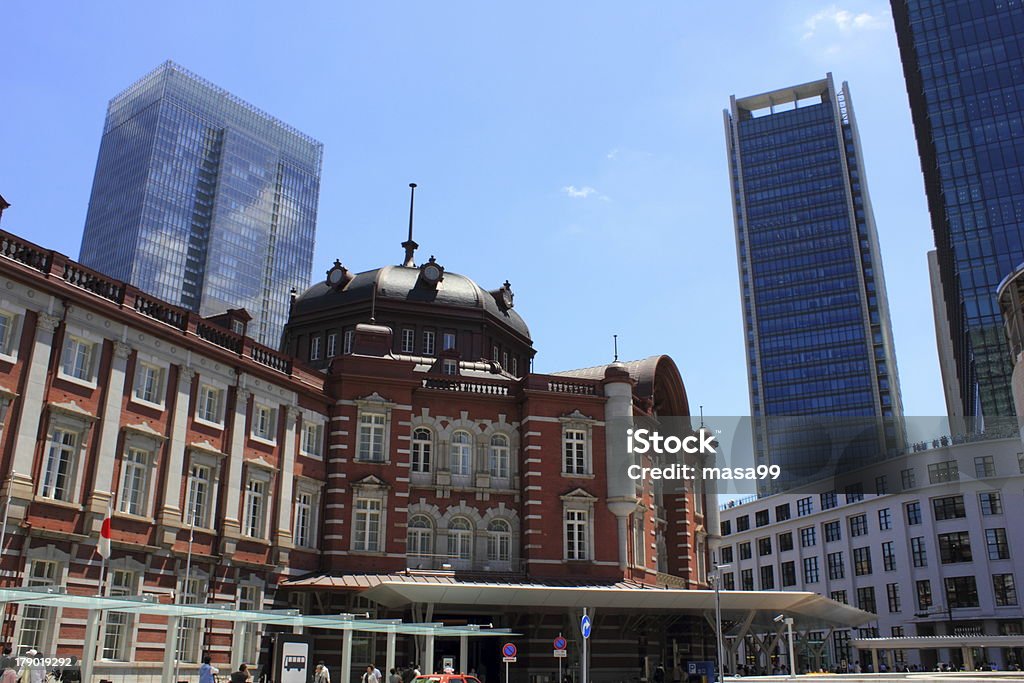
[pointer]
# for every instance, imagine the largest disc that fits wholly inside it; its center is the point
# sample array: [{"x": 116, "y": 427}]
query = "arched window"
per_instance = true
[
  {"x": 498, "y": 456},
  {"x": 460, "y": 539},
  {"x": 419, "y": 538},
  {"x": 499, "y": 541},
  {"x": 462, "y": 451},
  {"x": 422, "y": 449}
]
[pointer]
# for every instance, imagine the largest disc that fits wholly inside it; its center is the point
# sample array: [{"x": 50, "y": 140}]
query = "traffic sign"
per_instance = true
[
  {"x": 585, "y": 626},
  {"x": 560, "y": 653},
  {"x": 560, "y": 643},
  {"x": 509, "y": 660},
  {"x": 509, "y": 650}
]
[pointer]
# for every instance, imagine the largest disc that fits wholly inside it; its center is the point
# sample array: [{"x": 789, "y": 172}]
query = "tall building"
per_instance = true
[
  {"x": 963, "y": 67},
  {"x": 819, "y": 342},
  {"x": 203, "y": 200}
]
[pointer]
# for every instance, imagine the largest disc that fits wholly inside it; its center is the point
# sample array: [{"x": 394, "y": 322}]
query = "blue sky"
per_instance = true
[{"x": 576, "y": 149}]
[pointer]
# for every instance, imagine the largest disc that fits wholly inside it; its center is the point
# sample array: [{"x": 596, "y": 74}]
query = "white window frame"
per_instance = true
[
  {"x": 575, "y": 450},
  {"x": 203, "y": 414},
  {"x": 264, "y": 423},
  {"x": 373, "y": 435},
  {"x": 40, "y": 572},
  {"x": 64, "y": 442},
  {"x": 499, "y": 541},
  {"x": 332, "y": 344},
  {"x": 365, "y": 511},
  {"x": 144, "y": 370},
  {"x": 408, "y": 340},
  {"x": 315, "y": 343},
  {"x": 136, "y": 466},
  {"x": 256, "y": 502},
  {"x": 577, "y": 526},
  {"x": 119, "y": 627},
  {"x": 307, "y": 504},
  {"x": 448, "y": 341},
  {"x": 10, "y": 333},
  {"x": 193, "y": 590},
  {"x": 450, "y": 367},
  {"x": 312, "y": 444},
  {"x": 460, "y": 541},
  {"x": 499, "y": 458},
  {"x": 419, "y": 540},
  {"x": 79, "y": 360},
  {"x": 429, "y": 342},
  {"x": 347, "y": 338},
  {"x": 421, "y": 450},
  {"x": 246, "y": 634},
  {"x": 460, "y": 454},
  {"x": 198, "y": 459}
]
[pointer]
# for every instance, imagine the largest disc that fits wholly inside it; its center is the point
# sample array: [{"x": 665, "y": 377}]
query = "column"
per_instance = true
[
  {"x": 284, "y": 522},
  {"x": 170, "y": 651},
  {"x": 31, "y": 411},
  {"x": 239, "y": 427},
  {"x": 389, "y": 660},
  {"x": 428, "y": 655},
  {"x": 464, "y": 654},
  {"x": 874, "y": 661},
  {"x": 104, "y": 486},
  {"x": 346, "y": 656},
  {"x": 171, "y": 513},
  {"x": 92, "y": 627}
]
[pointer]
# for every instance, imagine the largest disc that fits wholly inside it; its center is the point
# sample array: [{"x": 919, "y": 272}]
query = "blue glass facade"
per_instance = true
[
  {"x": 965, "y": 79},
  {"x": 818, "y": 336},
  {"x": 201, "y": 199}
]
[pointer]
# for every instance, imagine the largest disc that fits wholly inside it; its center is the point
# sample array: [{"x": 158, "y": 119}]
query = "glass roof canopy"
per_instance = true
[{"x": 57, "y": 596}]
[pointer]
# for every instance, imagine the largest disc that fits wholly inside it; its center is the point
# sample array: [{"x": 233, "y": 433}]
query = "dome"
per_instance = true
[{"x": 404, "y": 284}]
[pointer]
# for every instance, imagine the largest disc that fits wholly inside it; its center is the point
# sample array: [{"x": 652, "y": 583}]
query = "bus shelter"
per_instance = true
[{"x": 95, "y": 606}]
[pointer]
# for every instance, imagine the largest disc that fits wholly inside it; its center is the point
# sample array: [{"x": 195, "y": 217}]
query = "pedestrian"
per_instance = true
[
  {"x": 33, "y": 671},
  {"x": 377, "y": 674},
  {"x": 369, "y": 675},
  {"x": 207, "y": 671},
  {"x": 395, "y": 676},
  {"x": 321, "y": 674},
  {"x": 409, "y": 673},
  {"x": 8, "y": 667},
  {"x": 242, "y": 675}
]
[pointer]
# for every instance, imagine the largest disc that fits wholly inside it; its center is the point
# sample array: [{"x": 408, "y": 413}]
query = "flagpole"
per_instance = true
[{"x": 3, "y": 538}]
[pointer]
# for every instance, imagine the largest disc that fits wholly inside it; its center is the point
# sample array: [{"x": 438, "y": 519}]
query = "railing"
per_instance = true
[
  {"x": 578, "y": 388},
  {"x": 272, "y": 360},
  {"x": 739, "y": 501},
  {"x": 219, "y": 336},
  {"x": 91, "y": 281},
  {"x": 158, "y": 310},
  {"x": 466, "y": 386},
  {"x": 23, "y": 252},
  {"x": 671, "y": 581},
  {"x": 428, "y": 562}
]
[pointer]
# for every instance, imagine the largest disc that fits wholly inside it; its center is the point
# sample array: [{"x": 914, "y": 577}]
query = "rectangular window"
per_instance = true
[
  {"x": 726, "y": 527},
  {"x": 907, "y": 479},
  {"x": 924, "y": 595},
  {"x": 764, "y": 547},
  {"x": 77, "y": 358},
  {"x": 888, "y": 557},
  {"x": 190, "y": 628},
  {"x": 59, "y": 467},
  {"x": 761, "y": 518},
  {"x": 305, "y": 511},
  {"x": 954, "y": 547},
  {"x": 197, "y": 508},
  {"x": 828, "y": 500},
  {"x": 728, "y": 581},
  {"x": 726, "y": 554},
  {"x": 942, "y": 472},
  {"x": 134, "y": 482},
  {"x": 836, "y": 568},
  {"x": 576, "y": 535},
  {"x": 881, "y": 485},
  {"x": 745, "y": 553},
  {"x": 1004, "y": 589},
  {"x": 313, "y": 439},
  {"x": 785, "y": 541},
  {"x": 961, "y": 591},
  {"x": 862, "y": 561},
  {"x": 854, "y": 493},
  {"x": 884, "y": 519},
  {"x": 149, "y": 384},
  {"x": 948, "y": 507},
  {"x": 782, "y": 512},
  {"x": 314, "y": 347},
  {"x": 408, "y": 340},
  {"x": 574, "y": 451},
  {"x": 743, "y": 523},
  {"x": 918, "y": 551},
  {"x": 367, "y": 525},
  {"x": 788, "y": 574},
  {"x": 866, "y": 598},
  {"x": 447, "y": 341},
  {"x": 371, "y": 436},
  {"x": 807, "y": 537},
  {"x": 810, "y": 570},
  {"x": 984, "y": 466},
  {"x": 255, "y": 507},
  {"x": 208, "y": 404},
  {"x": 913, "y": 513},
  {"x": 840, "y": 596},
  {"x": 428, "y": 342},
  {"x": 346, "y": 341},
  {"x": 37, "y": 622},
  {"x": 747, "y": 580},
  {"x": 248, "y": 642},
  {"x": 264, "y": 422},
  {"x": 892, "y": 594},
  {"x": 6, "y": 333},
  {"x": 767, "y": 578},
  {"x": 995, "y": 541},
  {"x": 117, "y": 630},
  {"x": 991, "y": 503},
  {"x": 804, "y": 506},
  {"x": 858, "y": 525},
  {"x": 332, "y": 345},
  {"x": 833, "y": 532},
  {"x": 450, "y": 367}
]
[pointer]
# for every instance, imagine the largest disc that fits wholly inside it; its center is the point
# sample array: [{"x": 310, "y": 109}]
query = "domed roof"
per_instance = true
[{"x": 402, "y": 283}]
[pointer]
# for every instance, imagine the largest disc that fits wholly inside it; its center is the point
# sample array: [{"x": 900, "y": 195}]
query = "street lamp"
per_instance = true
[
  {"x": 788, "y": 621},
  {"x": 716, "y": 578}
]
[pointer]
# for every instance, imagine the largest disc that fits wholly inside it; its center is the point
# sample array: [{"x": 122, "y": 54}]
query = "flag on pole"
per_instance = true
[{"x": 103, "y": 547}]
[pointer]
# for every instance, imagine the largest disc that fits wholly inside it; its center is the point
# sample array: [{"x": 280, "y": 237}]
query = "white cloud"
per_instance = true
[
  {"x": 579, "y": 193},
  {"x": 836, "y": 19},
  {"x": 613, "y": 154}
]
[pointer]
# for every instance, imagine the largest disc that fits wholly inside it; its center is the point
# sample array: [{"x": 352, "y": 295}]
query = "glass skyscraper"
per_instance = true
[
  {"x": 821, "y": 366},
  {"x": 963, "y": 64},
  {"x": 203, "y": 200}
]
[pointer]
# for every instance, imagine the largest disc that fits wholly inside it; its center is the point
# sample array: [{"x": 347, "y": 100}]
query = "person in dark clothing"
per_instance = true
[{"x": 242, "y": 675}]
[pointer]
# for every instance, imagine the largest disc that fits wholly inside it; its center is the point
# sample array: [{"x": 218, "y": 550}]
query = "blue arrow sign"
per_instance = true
[{"x": 585, "y": 626}]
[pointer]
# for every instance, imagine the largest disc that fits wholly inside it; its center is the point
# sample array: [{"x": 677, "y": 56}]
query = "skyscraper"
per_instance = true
[
  {"x": 203, "y": 200},
  {"x": 818, "y": 337},
  {"x": 965, "y": 79}
]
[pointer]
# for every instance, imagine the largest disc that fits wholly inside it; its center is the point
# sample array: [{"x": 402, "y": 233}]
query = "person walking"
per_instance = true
[
  {"x": 321, "y": 674},
  {"x": 242, "y": 675},
  {"x": 207, "y": 671},
  {"x": 395, "y": 677}
]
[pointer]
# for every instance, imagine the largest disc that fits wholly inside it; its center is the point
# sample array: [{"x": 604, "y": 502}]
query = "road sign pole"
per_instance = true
[
  {"x": 506, "y": 673},
  {"x": 583, "y": 654}
]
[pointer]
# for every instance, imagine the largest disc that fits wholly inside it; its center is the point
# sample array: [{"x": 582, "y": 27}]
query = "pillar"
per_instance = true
[
  {"x": 170, "y": 651},
  {"x": 428, "y": 655},
  {"x": 104, "y": 486},
  {"x": 171, "y": 513},
  {"x": 389, "y": 660},
  {"x": 346, "y": 655},
  {"x": 874, "y": 660},
  {"x": 31, "y": 411},
  {"x": 92, "y": 627},
  {"x": 464, "y": 654},
  {"x": 234, "y": 483}
]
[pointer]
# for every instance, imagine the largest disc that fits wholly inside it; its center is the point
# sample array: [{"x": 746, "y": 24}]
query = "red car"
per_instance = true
[{"x": 446, "y": 678}]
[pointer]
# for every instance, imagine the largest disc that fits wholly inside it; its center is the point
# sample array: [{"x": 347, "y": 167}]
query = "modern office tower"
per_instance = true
[
  {"x": 965, "y": 73},
  {"x": 203, "y": 200},
  {"x": 824, "y": 389}
]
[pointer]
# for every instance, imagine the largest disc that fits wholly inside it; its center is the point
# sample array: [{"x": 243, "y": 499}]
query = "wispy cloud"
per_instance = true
[
  {"x": 612, "y": 154},
  {"x": 844, "y": 21},
  {"x": 579, "y": 192}
]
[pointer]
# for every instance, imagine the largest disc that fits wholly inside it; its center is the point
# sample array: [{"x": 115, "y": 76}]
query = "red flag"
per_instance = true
[{"x": 103, "y": 547}]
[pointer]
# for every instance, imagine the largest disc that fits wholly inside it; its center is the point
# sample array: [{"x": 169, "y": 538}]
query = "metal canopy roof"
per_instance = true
[
  {"x": 809, "y": 610},
  {"x": 57, "y": 596}
]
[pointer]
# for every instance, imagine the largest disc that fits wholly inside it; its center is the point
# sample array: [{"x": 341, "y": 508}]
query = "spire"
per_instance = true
[
  {"x": 409, "y": 245},
  {"x": 615, "y": 342}
]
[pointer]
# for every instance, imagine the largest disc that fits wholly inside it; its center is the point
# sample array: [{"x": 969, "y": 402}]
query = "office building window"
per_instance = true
[
  {"x": 135, "y": 468},
  {"x": 862, "y": 561},
  {"x": 499, "y": 541},
  {"x": 117, "y": 631},
  {"x": 888, "y": 556},
  {"x": 332, "y": 345},
  {"x": 995, "y": 541},
  {"x": 60, "y": 466},
  {"x": 884, "y": 519},
  {"x": 807, "y": 537},
  {"x": 747, "y": 580},
  {"x": 149, "y": 384},
  {"x": 941, "y": 472},
  {"x": 255, "y": 505},
  {"x": 833, "y": 532},
  {"x": 961, "y": 591},
  {"x": 907, "y": 479},
  {"x": 576, "y": 532},
  {"x": 78, "y": 360},
  {"x": 991, "y": 503},
  {"x": 313, "y": 439},
  {"x": 924, "y": 595},
  {"x": 428, "y": 342},
  {"x": 743, "y": 523},
  {"x": 913, "y": 513},
  {"x": 574, "y": 451},
  {"x": 881, "y": 485},
  {"x": 858, "y": 525},
  {"x": 1004, "y": 589},
  {"x": 788, "y": 574},
  {"x": 892, "y": 594},
  {"x": 785, "y": 541},
  {"x": 461, "y": 454},
  {"x": 836, "y": 568},
  {"x": 408, "y": 340},
  {"x": 954, "y": 547},
  {"x": 767, "y": 578},
  {"x": 810, "y": 570},
  {"x": 367, "y": 526},
  {"x": 828, "y": 500},
  {"x": 948, "y": 507},
  {"x": 918, "y": 551},
  {"x": 984, "y": 466},
  {"x": 804, "y": 506},
  {"x": 782, "y": 512},
  {"x": 726, "y": 554},
  {"x": 498, "y": 456},
  {"x": 866, "y": 598},
  {"x": 460, "y": 539}
]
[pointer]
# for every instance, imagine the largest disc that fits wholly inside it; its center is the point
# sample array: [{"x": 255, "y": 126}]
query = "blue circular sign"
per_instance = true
[
  {"x": 585, "y": 626},
  {"x": 509, "y": 650},
  {"x": 560, "y": 643}
]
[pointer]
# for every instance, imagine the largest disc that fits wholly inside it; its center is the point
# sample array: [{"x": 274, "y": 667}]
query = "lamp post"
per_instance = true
[
  {"x": 788, "y": 621},
  {"x": 716, "y": 578}
]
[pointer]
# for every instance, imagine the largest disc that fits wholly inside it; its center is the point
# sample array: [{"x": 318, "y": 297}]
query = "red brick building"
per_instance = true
[{"x": 398, "y": 444}]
